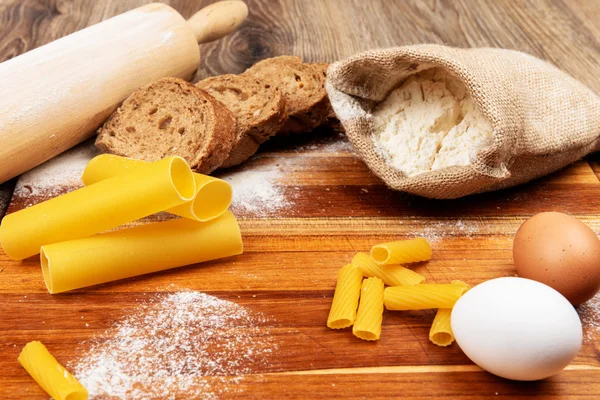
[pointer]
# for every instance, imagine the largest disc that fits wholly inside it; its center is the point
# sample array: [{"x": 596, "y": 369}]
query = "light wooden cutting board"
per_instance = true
[{"x": 333, "y": 207}]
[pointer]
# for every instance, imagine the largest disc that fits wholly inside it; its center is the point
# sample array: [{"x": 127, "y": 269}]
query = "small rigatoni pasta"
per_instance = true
[
  {"x": 402, "y": 252},
  {"x": 441, "y": 330},
  {"x": 422, "y": 297},
  {"x": 345, "y": 298},
  {"x": 464, "y": 285},
  {"x": 49, "y": 374},
  {"x": 367, "y": 325},
  {"x": 391, "y": 275}
]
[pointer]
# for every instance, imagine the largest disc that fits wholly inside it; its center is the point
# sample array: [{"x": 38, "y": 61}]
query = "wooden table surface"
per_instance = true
[{"x": 336, "y": 207}]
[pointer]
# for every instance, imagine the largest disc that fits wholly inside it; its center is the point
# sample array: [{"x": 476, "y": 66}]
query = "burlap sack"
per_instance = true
[{"x": 542, "y": 118}]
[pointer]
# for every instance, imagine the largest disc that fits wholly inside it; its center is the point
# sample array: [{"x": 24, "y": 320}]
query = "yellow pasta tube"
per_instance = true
[
  {"x": 402, "y": 251},
  {"x": 345, "y": 298},
  {"x": 464, "y": 285},
  {"x": 49, "y": 374},
  {"x": 140, "y": 250},
  {"x": 441, "y": 331},
  {"x": 421, "y": 297},
  {"x": 213, "y": 195},
  {"x": 391, "y": 275},
  {"x": 367, "y": 325},
  {"x": 99, "y": 207}
]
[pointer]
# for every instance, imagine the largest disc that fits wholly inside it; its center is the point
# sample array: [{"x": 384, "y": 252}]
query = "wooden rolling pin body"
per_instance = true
[{"x": 54, "y": 97}]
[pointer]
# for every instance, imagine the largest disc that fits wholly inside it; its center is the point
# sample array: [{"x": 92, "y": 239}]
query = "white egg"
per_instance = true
[{"x": 517, "y": 328}]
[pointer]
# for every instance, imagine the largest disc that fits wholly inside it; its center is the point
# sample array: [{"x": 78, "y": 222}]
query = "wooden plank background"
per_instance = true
[{"x": 338, "y": 208}]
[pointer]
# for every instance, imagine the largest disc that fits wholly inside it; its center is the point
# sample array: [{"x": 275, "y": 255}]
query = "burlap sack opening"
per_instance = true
[{"x": 542, "y": 118}]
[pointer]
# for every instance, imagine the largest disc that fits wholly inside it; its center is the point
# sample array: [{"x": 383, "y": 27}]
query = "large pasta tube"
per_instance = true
[
  {"x": 213, "y": 195},
  {"x": 99, "y": 207},
  {"x": 402, "y": 251},
  {"x": 391, "y": 275},
  {"x": 424, "y": 296},
  {"x": 345, "y": 298},
  {"x": 367, "y": 325},
  {"x": 49, "y": 374},
  {"x": 441, "y": 330},
  {"x": 140, "y": 250}
]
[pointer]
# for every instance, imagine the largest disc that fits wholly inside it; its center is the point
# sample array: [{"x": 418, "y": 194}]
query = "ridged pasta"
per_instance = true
[
  {"x": 367, "y": 325},
  {"x": 402, "y": 252},
  {"x": 441, "y": 330},
  {"x": 391, "y": 275},
  {"x": 421, "y": 297},
  {"x": 345, "y": 298},
  {"x": 49, "y": 374},
  {"x": 464, "y": 285}
]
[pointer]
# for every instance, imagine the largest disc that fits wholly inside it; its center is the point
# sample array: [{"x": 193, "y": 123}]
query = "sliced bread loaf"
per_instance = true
[
  {"x": 170, "y": 117},
  {"x": 258, "y": 108},
  {"x": 303, "y": 87}
]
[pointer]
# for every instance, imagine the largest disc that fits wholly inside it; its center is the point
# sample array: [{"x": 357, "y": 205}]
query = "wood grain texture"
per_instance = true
[{"x": 336, "y": 208}]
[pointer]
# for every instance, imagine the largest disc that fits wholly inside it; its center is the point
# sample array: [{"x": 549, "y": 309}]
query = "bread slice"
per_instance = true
[
  {"x": 258, "y": 109},
  {"x": 303, "y": 87},
  {"x": 170, "y": 117}
]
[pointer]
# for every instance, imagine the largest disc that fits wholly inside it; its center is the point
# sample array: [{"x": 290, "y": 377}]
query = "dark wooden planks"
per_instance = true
[{"x": 561, "y": 31}]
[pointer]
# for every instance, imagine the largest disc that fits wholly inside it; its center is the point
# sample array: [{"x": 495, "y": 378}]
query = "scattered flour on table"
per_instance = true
[
  {"x": 340, "y": 145},
  {"x": 256, "y": 192},
  {"x": 435, "y": 232},
  {"x": 58, "y": 174},
  {"x": 589, "y": 313},
  {"x": 176, "y": 345}
]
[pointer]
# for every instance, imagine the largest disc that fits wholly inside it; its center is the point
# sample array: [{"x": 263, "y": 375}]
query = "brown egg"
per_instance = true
[{"x": 560, "y": 251}]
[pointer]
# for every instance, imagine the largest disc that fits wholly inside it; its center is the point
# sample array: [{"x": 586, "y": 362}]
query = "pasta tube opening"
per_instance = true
[
  {"x": 402, "y": 251},
  {"x": 365, "y": 335},
  {"x": 345, "y": 299},
  {"x": 442, "y": 338},
  {"x": 380, "y": 254},
  {"x": 46, "y": 271},
  {"x": 367, "y": 325},
  {"x": 182, "y": 178},
  {"x": 211, "y": 201},
  {"x": 340, "y": 323},
  {"x": 213, "y": 196}
]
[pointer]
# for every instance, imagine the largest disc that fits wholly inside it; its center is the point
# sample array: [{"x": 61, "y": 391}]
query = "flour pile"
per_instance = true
[
  {"x": 177, "y": 345},
  {"x": 257, "y": 191}
]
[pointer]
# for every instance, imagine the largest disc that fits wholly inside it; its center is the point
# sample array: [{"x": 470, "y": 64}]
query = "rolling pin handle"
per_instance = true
[{"x": 217, "y": 20}]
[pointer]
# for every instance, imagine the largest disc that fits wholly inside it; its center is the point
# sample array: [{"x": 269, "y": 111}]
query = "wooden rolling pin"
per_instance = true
[{"x": 55, "y": 96}]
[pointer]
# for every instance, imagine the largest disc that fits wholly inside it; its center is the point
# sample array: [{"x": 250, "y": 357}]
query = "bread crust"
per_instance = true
[
  {"x": 152, "y": 124},
  {"x": 303, "y": 87},
  {"x": 259, "y": 110}
]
